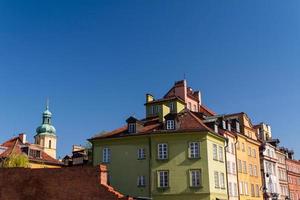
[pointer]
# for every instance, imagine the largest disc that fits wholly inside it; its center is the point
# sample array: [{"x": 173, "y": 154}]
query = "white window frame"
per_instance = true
[
  {"x": 216, "y": 179},
  {"x": 131, "y": 127},
  {"x": 195, "y": 178},
  {"x": 215, "y": 152},
  {"x": 163, "y": 179},
  {"x": 162, "y": 151},
  {"x": 194, "y": 150},
  {"x": 170, "y": 124},
  {"x": 221, "y": 154},
  {"x": 141, "y": 181},
  {"x": 141, "y": 153},
  {"x": 106, "y": 155},
  {"x": 222, "y": 180}
]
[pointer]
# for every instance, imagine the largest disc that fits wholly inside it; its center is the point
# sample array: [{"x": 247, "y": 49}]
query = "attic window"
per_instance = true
[
  {"x": 216, "y": 128},
  {"x": 34, "y": 153},
  {"x": 224, "y": 125},
  {"x": 131, "y": 128},
  {"x": 237, "y": 127},
  {"x": 170, "y": 124}
]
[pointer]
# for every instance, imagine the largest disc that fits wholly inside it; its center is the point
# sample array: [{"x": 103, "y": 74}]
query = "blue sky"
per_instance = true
[{"x": 95, "y": 60}]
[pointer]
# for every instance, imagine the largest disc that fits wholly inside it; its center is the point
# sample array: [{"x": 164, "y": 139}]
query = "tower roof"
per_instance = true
[{"x": 46, "y": 127}]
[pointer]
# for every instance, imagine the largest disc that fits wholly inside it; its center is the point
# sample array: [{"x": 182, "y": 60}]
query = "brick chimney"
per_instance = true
[{"x": 22, "y": 137}]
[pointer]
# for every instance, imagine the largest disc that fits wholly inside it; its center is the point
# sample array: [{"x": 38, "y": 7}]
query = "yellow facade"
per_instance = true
[
  {"x": 248, "y": 163},
  {"x": 33, "y": 165}
]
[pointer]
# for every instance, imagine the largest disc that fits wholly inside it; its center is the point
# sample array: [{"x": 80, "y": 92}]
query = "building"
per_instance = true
[
  {"x": 80, "y": 156},
  {"x": 223, "y": 127},
  {"x": 293, "y": 171},
  {"x": 46, "y": 134},
  {"x": 273, "y": 168},
  {"x": 41, "y": 154},
  {"x": 247, "y": 155},
  {"x": 170, "y": 154}
]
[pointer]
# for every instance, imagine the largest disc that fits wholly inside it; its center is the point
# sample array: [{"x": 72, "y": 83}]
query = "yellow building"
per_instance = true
[{"x": 248, "y": 161}]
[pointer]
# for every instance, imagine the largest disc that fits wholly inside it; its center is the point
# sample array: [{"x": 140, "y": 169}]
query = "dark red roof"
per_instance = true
[{"x": 186, "y": 121}]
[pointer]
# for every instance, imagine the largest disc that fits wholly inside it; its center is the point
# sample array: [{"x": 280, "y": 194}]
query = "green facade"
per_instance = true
[{"x": 124, "y": 166}]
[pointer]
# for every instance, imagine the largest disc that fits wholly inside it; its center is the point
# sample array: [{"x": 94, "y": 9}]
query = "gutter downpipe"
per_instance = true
[{"x": 236, "y": 167}]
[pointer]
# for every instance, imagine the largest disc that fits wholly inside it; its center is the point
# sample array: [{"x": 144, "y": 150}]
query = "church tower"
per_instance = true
[{"x": 46, "y": 134}]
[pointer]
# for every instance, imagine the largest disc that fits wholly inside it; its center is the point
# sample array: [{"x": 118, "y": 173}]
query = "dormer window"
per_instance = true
[
  {"x": 131, "y": 128},
  {"x": 170, "y": 124},
  {"x": 34, "y": 153},
  {"x": 229, "y": 126},
  {"x": 237, "y": 126},
  {"x": 224, "y": 125},
  {"x": 216, "y": 128},
  {"x": 171, "y": 105}
]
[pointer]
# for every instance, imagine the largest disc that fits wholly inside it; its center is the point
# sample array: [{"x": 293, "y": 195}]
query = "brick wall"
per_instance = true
[{"x": 55, "y": 184}]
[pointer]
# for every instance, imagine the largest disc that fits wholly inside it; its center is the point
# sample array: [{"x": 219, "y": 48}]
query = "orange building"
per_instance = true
[{"x": 247, "y": 153}]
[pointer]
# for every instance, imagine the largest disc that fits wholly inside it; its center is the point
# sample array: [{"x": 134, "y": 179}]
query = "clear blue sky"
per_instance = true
[{"x": 95, "y": 60}]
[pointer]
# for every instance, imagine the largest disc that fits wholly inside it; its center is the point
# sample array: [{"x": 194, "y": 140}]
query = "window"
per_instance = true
[
  {"x": 195, "y": 178},
  {"x": 254, "y": 170},
  {"x": 34, "y": 153},
  {"x": 257, "y": 190},
  {"x": 240, "y": 166},
  {"x": 229, "y": 126},
  {"x": 162, "y": 151},
  {"x": 163, "y": 179},
  {"x": 233, "y": 168},
  {"x": 254, "y": 153},
  {"x": 230, "y": 189},
  {"x": 195, "y": 108},
  {"x": 49, "y": 144},
  {"x": 141, "y": 182},
  {"x": 243, "y": 147},
  {"x": 241, "y": 187},
  {"x": 221, "y": 154},
  {"x": 215, "y": 152},
  {"x": 250, "y": 170},
  {"x": 228, "y": 167},
  {"x": 238, "y": 145},
  {"x": 141, "y": 154},
  {"x": 106, "y": 155},
  {"x": 222, "y": 180},
  {"x": 232, "y": 148},
  {"x": 216, "y": 177},
  {"x": 246, "y": 189},
  {"x": 131, "y": 128},
  {"x": 244, "y": 167},
  {"x": 224, "y": 125},
  {"x": 194, "y": 150},
  {"x": 190, "y": 106},
  {"x": 170, "y": 124},
  {"x": 249, "y": 151},
  {"x": 235, "y": 190},
  {"x": 171, "y": 106},
  {"x": 216, "y": 128},
  {"x": 252, "y": 190},
  {"x": 237, "y": 127}
]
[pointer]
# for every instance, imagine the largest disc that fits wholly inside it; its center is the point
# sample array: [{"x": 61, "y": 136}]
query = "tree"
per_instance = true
[{"x": 15, "y": 160}]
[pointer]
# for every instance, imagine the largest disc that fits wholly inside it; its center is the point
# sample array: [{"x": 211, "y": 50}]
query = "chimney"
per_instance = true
[
  {"x": 103, "y": 175},
  {"x": 22, "y": 137},
  {"x": 149, "y": 98}
]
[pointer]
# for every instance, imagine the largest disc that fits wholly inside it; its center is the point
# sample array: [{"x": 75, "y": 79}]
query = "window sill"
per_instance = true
[
  {"x": 141, "y": 186},
  {"x": 141, "y": 159},
  {"x": 196, "y": 187},
  {"x": 162, "y": 159},
  {"x": 196, "y": 158}
]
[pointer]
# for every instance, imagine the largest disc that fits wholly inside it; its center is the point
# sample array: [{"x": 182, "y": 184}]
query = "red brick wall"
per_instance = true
[{"x": 53, "y": 184}]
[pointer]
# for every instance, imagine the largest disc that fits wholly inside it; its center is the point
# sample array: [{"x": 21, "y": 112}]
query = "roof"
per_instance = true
[
  {"x": 15, "y": 145},
  {"x": 166, "y": 99},
  {"x": 186, "y": 122}
]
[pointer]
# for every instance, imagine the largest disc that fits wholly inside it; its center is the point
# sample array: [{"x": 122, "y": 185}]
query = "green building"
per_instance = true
[{"x": 171, "y": 154}]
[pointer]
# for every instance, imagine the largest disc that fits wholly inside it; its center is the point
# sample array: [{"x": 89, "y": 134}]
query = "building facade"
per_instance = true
[
  {"x": 171, "y": 154},
  {"x": 247, "y": 155},
  {"x": 293, "y": 171}
]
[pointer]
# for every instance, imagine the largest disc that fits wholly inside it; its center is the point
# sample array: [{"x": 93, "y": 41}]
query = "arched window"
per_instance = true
[{"x": 49, "y": 144}]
